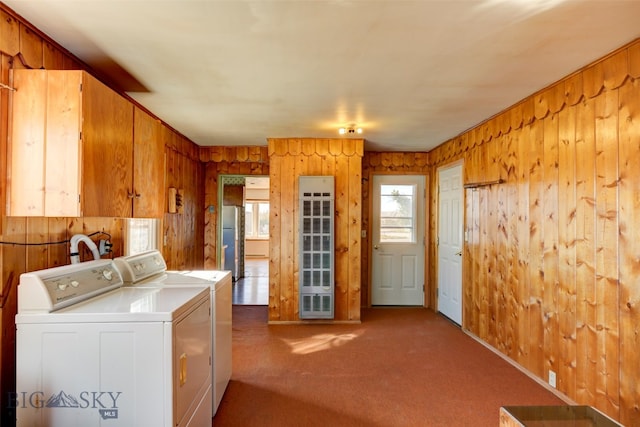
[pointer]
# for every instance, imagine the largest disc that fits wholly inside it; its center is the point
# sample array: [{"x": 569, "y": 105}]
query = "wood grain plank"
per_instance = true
[
  {"x": 536, "y": 249},
  {"x": 566, "y": 379},
  {"x": 629, "y": 222},
  {"x": 341, "y": 237},
  {"x": 275, "y": 227},
  {"x": 523, "y": 236},
  {"x": 550, "y": 245},
  {"x": 585, "y": 254},
  {"x": 607, "y": 326},
  {"x": 288, "y": 239},
  {"x": 31, "y": 47}
]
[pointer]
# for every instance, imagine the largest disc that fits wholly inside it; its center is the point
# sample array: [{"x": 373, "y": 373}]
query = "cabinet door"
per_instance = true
[
  {"x": 63, "y": 150},
  {"x": 45, "y": 144},
  {"x": 26, "y": 151},
  {"x": 149, "y": 168},
  {"x": 107, "y": 150}
]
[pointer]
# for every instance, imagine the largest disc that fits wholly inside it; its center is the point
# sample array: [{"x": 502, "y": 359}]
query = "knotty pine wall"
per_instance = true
[
  {"x": 288, "y": 160},
  {"x": 23, "y": 46},
  {"x": 552, "y": 262}
]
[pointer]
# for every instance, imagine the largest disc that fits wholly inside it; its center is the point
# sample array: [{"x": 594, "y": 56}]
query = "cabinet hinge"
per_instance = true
[
  {"x": 80, "y": 136},
  {"x": 80, "y": 87}
]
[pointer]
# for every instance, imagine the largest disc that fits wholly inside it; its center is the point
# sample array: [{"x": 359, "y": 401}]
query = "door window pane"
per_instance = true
[{"x": 397, "y": 213}]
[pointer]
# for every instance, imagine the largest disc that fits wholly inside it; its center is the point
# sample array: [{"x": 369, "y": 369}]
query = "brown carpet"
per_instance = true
[{"x": 400, "y": 367}]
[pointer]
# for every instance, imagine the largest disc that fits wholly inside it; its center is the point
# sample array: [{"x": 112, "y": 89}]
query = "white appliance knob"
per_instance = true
[
  {"x": 62, "y": 286},
  {"x": 107, "y": 274},
  {"x": 75, "y": 283},
  {"x": 157, "y": 260}
]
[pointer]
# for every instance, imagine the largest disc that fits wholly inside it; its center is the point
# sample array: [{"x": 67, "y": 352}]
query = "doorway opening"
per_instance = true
[{"x": 244, "y": 236}]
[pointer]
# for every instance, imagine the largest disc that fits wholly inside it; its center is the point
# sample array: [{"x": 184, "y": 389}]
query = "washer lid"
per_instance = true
[{"x": 128, "y": 304}]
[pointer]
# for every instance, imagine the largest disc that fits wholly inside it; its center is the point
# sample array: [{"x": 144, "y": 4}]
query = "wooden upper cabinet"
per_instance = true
[
  {"x": 74, "y": 151},
  {"x": 45, "y": 146},
  {"x": 107, "y": 149},
  {"x": 149, "y": 166}
]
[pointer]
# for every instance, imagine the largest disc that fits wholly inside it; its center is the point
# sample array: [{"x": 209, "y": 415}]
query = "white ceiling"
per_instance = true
[{"x": 412, "y": 74}]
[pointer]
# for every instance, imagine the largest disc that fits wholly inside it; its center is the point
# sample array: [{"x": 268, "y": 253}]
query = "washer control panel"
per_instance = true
[
  {"x": 48, "y": 290},
  {"x": 135, "y": 268}
]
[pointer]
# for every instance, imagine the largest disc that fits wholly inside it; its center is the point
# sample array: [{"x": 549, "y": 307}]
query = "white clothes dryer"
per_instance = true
[{"x": 149, "y": 269}]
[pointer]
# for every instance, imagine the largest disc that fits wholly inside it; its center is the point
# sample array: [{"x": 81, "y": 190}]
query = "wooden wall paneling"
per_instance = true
[
  {"x": 511, "y": 254},
  {"x": 342, "y": 228},
  {"x": 483, "y": 276},
  {"x": 429, "y": 287},
  {"x": 275, "y": 231},
  {"x": 31, "y": 47},
  {"x": 172, "y": 222},
  {"x": 13, "y": 264},
  {"x": 566, "y": 306},
  {"x": 501, "y": 246},
  {"x": 586, "y": 342},
  {"x": 181, "y": 220},
  {"x": 536, "y": 248},
  {"x": 550, "y": 245},
  {"x": 288, "y": 238},
  {"x": 468, "y": 288},
  {"x": 607, "y": 365},
  {"x": 9, "y": 34},
  {"x": 4, "y": 133},
  {"x": 573, "y": 89},
  {"x": 494, "y": 281},
  {"x": 37, "y": 232},
  {"x": 58, "y": 254},
  {"x": 211, "y": 216},
  {"x": 523, "y": 233},
  {"x": 199, "y": 219},
  {"x": 366, "y": 226},
  {"x": 629, "y": 220},
  {"x": 53, "y": 58},
  {"x": 593, "y": 80},
  {"x": 615, "y": 69},
  {"x": 633, "y": 56}
]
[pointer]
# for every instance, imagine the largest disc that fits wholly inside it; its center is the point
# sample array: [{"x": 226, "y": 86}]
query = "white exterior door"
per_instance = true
[
  {"x": 398, "y": 240},
  {"x": 450, "y": 229}
]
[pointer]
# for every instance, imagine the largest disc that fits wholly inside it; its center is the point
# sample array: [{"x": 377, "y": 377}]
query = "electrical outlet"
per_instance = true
[
  {"x": 552, "y": 378},
  {"x": 104, "y": 247}
]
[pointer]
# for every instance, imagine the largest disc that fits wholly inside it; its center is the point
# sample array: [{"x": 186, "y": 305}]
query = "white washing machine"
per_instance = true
[
  {"x": 91, "y": 352},
  {"x": 150, "y": 269}
]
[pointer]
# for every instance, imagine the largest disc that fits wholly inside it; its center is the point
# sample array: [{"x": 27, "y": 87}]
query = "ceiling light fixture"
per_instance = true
[{"x": 350, "y": 129}]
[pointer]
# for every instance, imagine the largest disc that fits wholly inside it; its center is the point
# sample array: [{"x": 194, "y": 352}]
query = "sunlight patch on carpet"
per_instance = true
[{"x": 319, "y": 342}]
